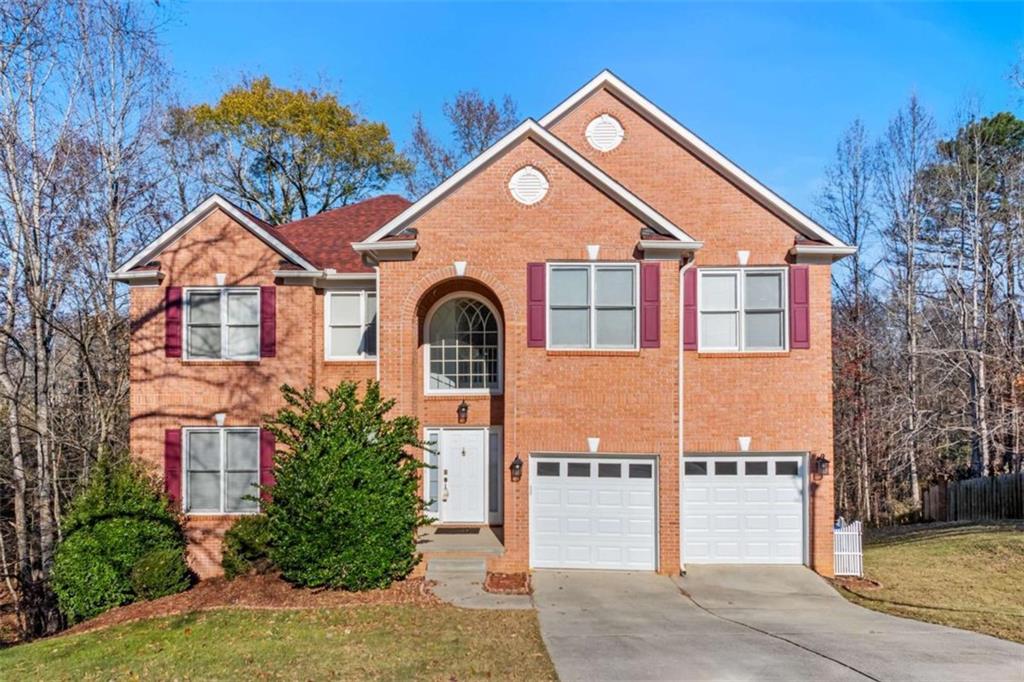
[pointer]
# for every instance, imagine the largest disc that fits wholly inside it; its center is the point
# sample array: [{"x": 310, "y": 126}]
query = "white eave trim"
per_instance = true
[
  {"x": 786, "y": 211},
  {"x": 664, "y": 245},
  {"x": 179, "y": 228},
  {"x": 821, "y": 252},
  {"x": 322, "y": 278},
  {"x": 530, "y": 128},
  {"x": 141, "y": 277}
]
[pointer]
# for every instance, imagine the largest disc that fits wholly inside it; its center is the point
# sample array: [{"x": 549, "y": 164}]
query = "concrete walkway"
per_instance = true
[
  {"x": 746, "y": 623},
  {"x": 461, "y": 582}
]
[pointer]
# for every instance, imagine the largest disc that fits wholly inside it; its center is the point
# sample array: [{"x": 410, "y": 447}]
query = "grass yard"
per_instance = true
[
  {"x": 395, "y": 642},
  {"x": 964, "y": 576}
]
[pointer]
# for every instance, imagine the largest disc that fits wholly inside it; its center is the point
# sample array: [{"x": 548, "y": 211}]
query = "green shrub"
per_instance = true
[
  {"x": 247, "y": 547},
  {"x": 118, "y": 518},
  {"x": 345, "y": 507},
  {"x": 160, "y": 573}
]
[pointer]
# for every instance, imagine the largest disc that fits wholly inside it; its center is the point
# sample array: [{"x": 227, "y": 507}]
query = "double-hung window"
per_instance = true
[
  {"x": 222, "y": 324},
  {"x": 743, "y": 309},
  {"x": 222, "y": 470},
  {"x": 592, "y": 306},
  {"x": 351, "y": 325}
]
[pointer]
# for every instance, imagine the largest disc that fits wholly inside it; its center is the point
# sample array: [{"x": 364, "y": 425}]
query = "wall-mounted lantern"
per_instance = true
[
  {"x": 463, "y": 411},
  {"x": 516, "y": 468},
  {"x": 821, "y": 465}
]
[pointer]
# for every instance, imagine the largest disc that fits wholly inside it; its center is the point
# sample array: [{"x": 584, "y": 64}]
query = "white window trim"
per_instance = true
[
  {"x": 494, "y": 390},
  {"x": 592, "y": 306},
  {"x": 740, "y": 293},
  {"x": 222, "y": 431},
  {"x": 362, "y": 292},
  {"x": 224, "y": 291},
  {"x": 495, "y": 518}
]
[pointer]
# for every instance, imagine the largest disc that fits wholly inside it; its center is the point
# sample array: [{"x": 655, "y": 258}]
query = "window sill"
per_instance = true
[
  {"x": 456, "y": 395},
  {"x": 213, "y": 516},
  {"x": 596, "y": 353},
  {"x": 216, "y": 363},
  {"x": 350, "y": 361},
  {"x": 744, "y": 354}
]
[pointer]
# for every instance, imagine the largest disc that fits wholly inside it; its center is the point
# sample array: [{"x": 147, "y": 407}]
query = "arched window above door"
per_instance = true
[{"x": 463, "y": 347}]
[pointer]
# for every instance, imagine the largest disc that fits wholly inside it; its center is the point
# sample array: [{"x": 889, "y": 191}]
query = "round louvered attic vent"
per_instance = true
[
  {"x": 528, "y": 185},
  {"x": 604, "y": 133}
]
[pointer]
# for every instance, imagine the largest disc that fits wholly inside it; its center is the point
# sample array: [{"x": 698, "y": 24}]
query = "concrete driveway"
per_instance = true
[{"x": 747, "y": 623}]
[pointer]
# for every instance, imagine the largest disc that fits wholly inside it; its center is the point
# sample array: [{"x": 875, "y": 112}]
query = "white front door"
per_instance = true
[
  {"x": 463, "y": 470},
  {"x": 746, "y": 509},
  {"x": 593, "y": 512}
]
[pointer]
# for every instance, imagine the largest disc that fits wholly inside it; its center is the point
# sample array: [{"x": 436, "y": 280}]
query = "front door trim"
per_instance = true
[{"x": 492, "y": 500}]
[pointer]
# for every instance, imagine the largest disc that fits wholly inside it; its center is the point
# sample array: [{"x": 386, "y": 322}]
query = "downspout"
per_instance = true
[
  {"x": 682, "y": 278},
  {"x": 376, "y": 285}
]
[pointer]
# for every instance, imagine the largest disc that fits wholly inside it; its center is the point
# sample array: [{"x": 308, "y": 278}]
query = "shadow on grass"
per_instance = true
[{"x": 926, "y": 532}]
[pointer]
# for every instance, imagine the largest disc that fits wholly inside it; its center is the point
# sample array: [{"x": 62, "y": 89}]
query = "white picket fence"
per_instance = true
[{"x": 849, "y": 548}]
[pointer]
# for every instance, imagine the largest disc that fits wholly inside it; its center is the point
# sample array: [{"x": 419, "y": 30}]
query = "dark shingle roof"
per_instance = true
[{"x": 326, "y": 239}]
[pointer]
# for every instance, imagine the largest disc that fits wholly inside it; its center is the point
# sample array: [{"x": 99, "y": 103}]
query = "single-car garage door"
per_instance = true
[
  {"x": 745, "y": 509},
  {"x": 593, "y": 512}
]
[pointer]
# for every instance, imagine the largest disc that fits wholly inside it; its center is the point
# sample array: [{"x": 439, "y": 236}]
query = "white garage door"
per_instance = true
[
  {"x": 743, "y": 510},
  {"x": 588, "y": 512}
]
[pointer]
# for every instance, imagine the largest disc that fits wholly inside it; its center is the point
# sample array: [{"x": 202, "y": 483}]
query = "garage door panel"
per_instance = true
[
  {"x": 738, "y": 510},
  {"x": 594, "y": 519}
]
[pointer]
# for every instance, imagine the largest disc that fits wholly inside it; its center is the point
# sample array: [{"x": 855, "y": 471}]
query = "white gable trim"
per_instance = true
[
  {"x": 689, "y": 140},
  {"x": 179, "y": 228},
  {"x": 530, "y": 129}
]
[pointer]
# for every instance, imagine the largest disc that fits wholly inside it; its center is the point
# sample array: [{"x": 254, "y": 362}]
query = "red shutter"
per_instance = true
[
  {"x": 799, "y": 307},
  {"x": 650, "y": 305},
  {"x": 172, "y": 465},
  {"x": 172, "y": 322},
  {"x": 268, "y": 322},
  {"x": 266, "y": 460},
  {"x": 536, "y": 334},
  {"x": 690, "y": 309}
]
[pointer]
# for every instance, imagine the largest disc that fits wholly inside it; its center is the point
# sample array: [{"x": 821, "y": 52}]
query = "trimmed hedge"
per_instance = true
[
  {"x": 116, "y": 520},
  {"x": 345, "y": 506},
  {"x": 160, "y": 573},
  {"x": 247, "y": 547}
]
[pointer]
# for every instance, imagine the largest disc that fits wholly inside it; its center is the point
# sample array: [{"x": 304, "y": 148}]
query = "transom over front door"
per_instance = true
[{"x": 463, "y": 471}]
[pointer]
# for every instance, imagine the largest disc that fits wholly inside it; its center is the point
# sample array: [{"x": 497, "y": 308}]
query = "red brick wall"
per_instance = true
[
  {"x": 784, "y": 402},
  {"x": 553, "y": 401},
  {"x": 169, "y": 393}
]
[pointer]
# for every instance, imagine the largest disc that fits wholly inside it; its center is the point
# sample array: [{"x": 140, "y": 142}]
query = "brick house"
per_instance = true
[{"x": 616, "y": 339}]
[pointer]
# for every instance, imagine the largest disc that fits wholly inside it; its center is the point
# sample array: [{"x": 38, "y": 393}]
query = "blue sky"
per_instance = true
[{"x": 770, "y": 85}]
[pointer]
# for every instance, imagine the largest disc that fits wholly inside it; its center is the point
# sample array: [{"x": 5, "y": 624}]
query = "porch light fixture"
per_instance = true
[
  {"x": 462, "y": 411},
  {"x": 821, "y": 465},
  {"x": 516, "y": 468}
]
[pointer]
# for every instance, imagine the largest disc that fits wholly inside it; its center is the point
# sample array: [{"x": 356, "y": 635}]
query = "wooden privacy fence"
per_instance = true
[
  {"x": 975, "y": 499},
  {"x": 849, "y": 548}
]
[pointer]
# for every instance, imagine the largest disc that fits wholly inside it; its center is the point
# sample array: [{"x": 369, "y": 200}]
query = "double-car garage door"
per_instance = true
[{"x": 602, "y": 512}]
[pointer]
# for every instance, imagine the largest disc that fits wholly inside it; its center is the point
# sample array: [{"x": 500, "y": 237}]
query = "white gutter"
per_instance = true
[
  {"x": 393, "y": 245},
  {"x": 320, "y": 278},
  {"x": 682, "y": 413},
  {"x": 667, "y": 247},
  {"x": 143, "y": 276},
  {"x": 834, "y": 252}
]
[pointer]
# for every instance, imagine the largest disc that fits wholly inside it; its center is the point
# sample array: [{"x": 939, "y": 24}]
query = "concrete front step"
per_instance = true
[{"x": 437, "y": 565}]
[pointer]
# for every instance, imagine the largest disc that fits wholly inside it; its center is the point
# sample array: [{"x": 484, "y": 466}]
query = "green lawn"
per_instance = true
[
  {"x": 375, "y": 642},
  {"x": 965, "y": 576}
]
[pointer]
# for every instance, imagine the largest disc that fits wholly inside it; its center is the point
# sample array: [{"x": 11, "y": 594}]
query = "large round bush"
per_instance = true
[
  {"x": 247, "y": 547},
  {"x": 345, "y": 505},
  {"x": 117, "y": 519}
]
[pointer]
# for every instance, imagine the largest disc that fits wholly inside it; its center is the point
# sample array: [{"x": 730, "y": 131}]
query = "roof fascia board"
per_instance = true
[
  {"x": 568, "y": 155},
  {"x": 179, "y": 228},
  {"x": 695, "y": 144}
]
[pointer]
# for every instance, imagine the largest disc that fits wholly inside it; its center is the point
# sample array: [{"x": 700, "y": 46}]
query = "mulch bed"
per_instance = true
[
  {"x": 508, "y": 583},
  {"x": 257, "y": 592},
  {"x": 854, "y": 583}
]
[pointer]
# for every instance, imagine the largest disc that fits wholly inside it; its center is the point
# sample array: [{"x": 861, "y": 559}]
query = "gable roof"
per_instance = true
[
  {"x": 326, "y": 238},
  {"x": 546, "y": 139},
  {"x": 690, "y": 141},
  {"x": 259, "y": 228}
]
